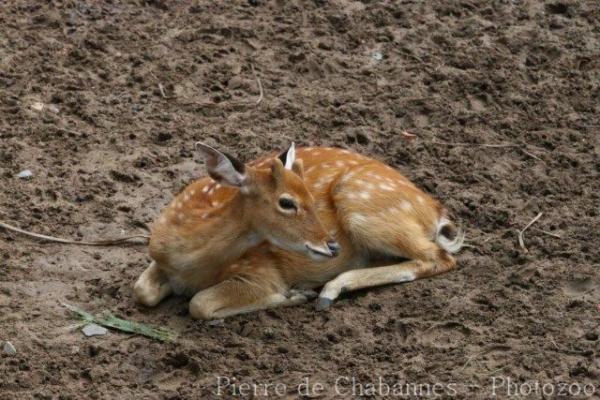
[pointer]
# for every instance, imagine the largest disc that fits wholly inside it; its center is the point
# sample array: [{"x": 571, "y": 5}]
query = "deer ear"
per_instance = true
[
  {"x": 289, "y": 156},
  {"x": 222, "y": 167}
]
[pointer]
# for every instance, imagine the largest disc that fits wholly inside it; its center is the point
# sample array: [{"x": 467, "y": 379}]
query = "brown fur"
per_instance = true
[{"x": 373, "y": 211}]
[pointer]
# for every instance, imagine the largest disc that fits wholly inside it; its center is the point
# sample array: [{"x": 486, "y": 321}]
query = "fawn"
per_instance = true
[{"x": 268, "y": 233}]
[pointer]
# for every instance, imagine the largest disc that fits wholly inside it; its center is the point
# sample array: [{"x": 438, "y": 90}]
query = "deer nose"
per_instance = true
[{"x": 334, "y": 247}]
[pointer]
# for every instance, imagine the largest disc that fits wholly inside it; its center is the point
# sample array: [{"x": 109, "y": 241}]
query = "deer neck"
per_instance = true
[{"x": 228, "y": 235}]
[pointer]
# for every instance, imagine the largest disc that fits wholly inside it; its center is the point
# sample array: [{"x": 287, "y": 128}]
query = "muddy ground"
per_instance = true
[{"x": 81, "y": 107}]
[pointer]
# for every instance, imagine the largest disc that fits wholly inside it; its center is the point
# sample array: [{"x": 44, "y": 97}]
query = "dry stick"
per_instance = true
[
  {"x": 162, "y": 90},
  {"x": 549, "y": 233},
  {"x": 475, "y": 144},
  {"x": 521, "y": 232},
  {"x": 104, "y": 242},
  {"x": 530, "y": 154},
  {"x": 260, "y": 88}
]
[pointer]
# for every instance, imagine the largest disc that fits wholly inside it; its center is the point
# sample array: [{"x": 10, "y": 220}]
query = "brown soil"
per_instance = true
[{"x": 109, "y": 150}]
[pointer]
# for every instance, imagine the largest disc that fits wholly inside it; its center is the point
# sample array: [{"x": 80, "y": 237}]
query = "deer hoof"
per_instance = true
[{"x": 324, "y": 303}]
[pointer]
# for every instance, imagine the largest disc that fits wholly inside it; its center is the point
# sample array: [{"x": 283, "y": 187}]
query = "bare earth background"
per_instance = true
[{"x": 108, "y": 150}]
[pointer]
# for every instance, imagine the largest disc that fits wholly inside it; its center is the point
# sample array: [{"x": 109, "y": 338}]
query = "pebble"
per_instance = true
[
  {"x": 216, "y": 322},
  {"x": 8, "y": 348},
  {"x": 38, "y": 106},
  {"x": 94, "y": 330},
  {"x": 25, "y": 174}
]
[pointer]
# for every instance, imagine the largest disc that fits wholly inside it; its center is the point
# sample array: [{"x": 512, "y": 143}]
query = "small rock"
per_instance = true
[
  {"x": 53, "y": 108},
  {"x": 38, "y": 106},
  {"x": 269, "y": 334},
  {"x": 94, "y": 330},
  {"x": 25, "y": 174},
  {"x": 8, "y": 348},
  {"x": 377, "y": 56},
  {"x": 216, "y": 322}
]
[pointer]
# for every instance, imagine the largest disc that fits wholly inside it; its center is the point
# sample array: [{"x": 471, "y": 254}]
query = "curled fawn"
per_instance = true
[
  {"x": 215, "y": 220},
  {"x": 262, "y": 235}
]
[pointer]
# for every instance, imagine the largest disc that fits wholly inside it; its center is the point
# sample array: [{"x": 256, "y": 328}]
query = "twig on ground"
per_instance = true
[
  {"x": 108, "y": 320},
  {"x": 459, "y": 144},
  {"x": 103, "y": 242},
  {"x": 161, "y": 88},
  {"x": 471, "y": 358},
  {"x": 548, "y": 233},
  {"x": 260, "y": 87},
  {"x": 522, "y": 231},
  {"x": 408, "y": 135},
  {"x": 74, "y": 132},
  {"x": 527, "y": 153}
]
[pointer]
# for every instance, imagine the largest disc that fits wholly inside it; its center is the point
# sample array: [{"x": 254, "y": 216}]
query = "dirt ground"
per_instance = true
[{"x": 103, "y": 101}]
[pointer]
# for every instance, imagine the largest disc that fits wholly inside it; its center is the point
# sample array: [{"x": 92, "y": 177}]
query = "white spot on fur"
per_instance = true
[
  {"x": 217, "y": 186},
  {"x": 322, "y": 182},
  {"x": 387, "y": 188},
  {"x": 192, "y": 192},
  {"x": 205, "y": 189},
  {"x": 420, "y": 199},
  {"x": 365, "y": 195},
  {"x": 347, "y": 177},
  {"x": 357, "y": 219},
  {"x": 186, "y": 197},
  {"x": 162, "y": 219},
  {"x": 405, "y": 205}
]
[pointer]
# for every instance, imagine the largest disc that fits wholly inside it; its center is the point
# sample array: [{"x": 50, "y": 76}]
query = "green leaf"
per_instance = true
[{"x": 108, "y": 320}]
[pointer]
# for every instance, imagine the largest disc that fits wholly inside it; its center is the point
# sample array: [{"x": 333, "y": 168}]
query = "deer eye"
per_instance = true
[{"x": 287, "y": 204}]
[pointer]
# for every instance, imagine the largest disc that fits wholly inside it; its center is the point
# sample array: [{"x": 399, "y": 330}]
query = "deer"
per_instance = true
[{"x": 271, "y": 232}]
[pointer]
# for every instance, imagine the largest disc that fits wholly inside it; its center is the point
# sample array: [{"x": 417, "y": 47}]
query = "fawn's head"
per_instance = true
[{"x": 275, "y": 201}]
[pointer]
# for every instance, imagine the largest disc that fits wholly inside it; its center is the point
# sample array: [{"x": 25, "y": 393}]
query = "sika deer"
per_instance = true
[
  {"x": 379, "y": 218},
  {"x": 213, "y": 222}
]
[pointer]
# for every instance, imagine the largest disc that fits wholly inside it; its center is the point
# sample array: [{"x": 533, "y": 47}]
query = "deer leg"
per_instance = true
[
  {"x": 368, "y": 277},
  {"x": 152, "y": 286},
  {"x": 235, "y": 296}
]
